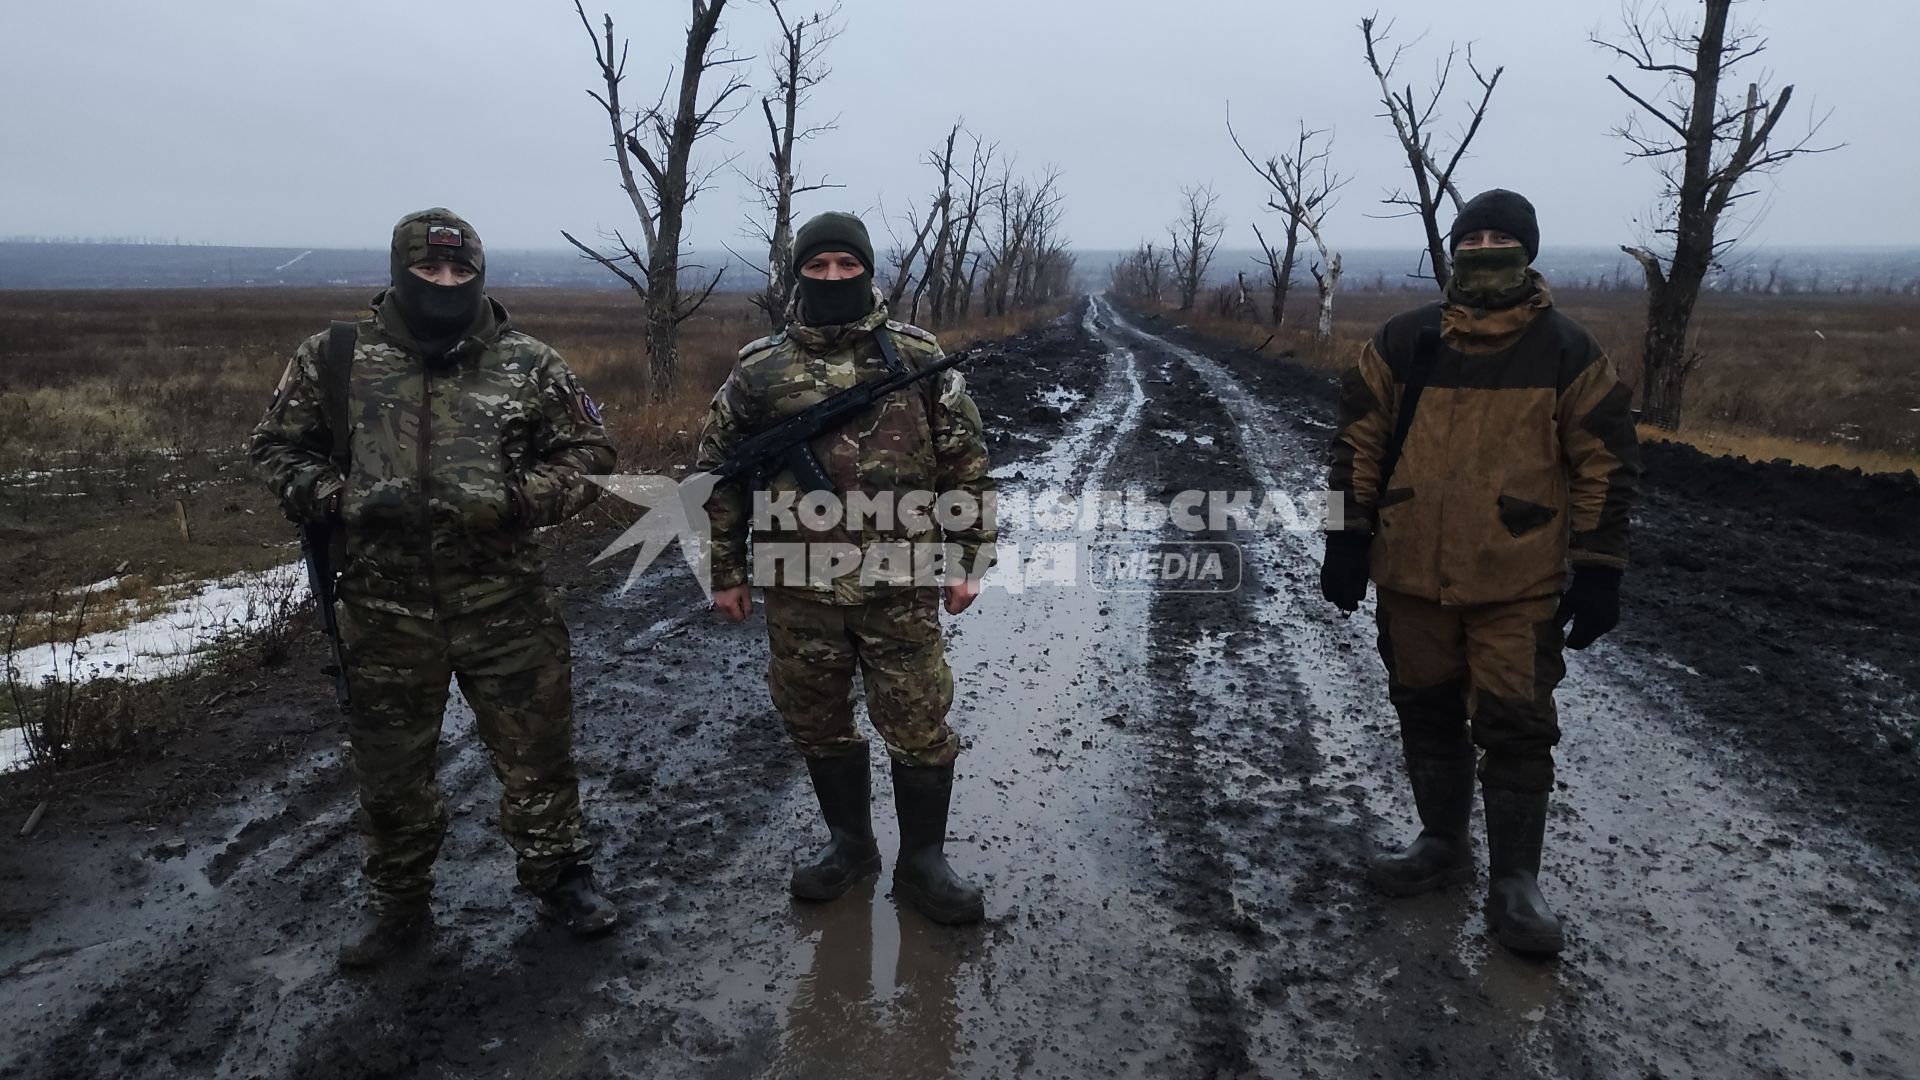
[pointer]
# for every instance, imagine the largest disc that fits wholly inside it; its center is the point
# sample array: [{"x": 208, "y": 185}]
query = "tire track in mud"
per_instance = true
[{"x": 1710, "y": 936}]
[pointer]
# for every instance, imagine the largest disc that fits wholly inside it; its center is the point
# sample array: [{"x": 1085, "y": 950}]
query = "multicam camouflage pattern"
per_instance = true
[
  {"x": 514, "y": 666},
  {"x": 927, "y": 438},
  {"x": 453, "y": 465},
  {"x": 1482, "y": 676},
  {"x": 894, "y": 640},
  {"x": 437, "y": 233}
]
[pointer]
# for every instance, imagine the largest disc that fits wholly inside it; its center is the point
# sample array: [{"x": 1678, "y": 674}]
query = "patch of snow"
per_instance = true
[
  {"x": 13, "y": 749},
  {"x": 170, "y": 640},
  {"x": 1061, "y": 398},
  {"x": 1175, "y": 437},
  {"x": 1203, "y": 440}
]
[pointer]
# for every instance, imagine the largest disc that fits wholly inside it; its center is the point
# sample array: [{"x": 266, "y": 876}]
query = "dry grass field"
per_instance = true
[{"x": 1819, "y": 379}]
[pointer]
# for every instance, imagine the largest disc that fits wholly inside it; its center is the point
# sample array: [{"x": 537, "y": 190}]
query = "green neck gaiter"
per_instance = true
[
  {"x": 1490, "y": 278},
  {"x": 836, "y": 303}
]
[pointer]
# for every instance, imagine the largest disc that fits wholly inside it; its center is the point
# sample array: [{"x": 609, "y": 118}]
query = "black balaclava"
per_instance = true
[
  {"x": 834, "y": 303},
  {"x": 438, "y": 316},
  {"x": 1494, "y": 278}
]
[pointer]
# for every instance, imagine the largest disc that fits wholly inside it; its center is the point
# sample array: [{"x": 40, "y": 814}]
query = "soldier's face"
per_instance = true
[
  {"x": 833, "y": 266},
  {"x": 441, "y": 272},
  {"x": 1486, "y": 238}
]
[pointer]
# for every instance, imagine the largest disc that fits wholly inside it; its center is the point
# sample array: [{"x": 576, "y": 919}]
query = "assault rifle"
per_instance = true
[{"x": 788, "y": 444}]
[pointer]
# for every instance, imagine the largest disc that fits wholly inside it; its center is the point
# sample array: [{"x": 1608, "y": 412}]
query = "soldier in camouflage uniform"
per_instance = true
[
  {"x": 880, "y": 617},
  {"x": 463, "y": 436}
]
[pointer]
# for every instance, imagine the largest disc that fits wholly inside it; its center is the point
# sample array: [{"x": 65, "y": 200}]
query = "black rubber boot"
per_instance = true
[
  {"x": 922, "y": 877},
  {"x": 1442, "y": 854},
  {"x": 1516, "y": 912},
  {"x": 574, "y": 903},
  {"x": 844, "y": 786},
  {"x": 380, "y": 936}
]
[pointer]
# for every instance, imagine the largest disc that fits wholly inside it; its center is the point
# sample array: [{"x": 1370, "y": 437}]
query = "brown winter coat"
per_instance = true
[{"x": 1522, "y": 454}]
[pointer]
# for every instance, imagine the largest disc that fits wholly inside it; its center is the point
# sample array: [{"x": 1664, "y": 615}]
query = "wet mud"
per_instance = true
[{"x": 1167, "y": 792}]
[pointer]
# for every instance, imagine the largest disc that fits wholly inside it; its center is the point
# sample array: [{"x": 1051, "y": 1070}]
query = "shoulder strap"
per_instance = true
[
  {"x": 1426, "y": 348},
  {"x": 336, "y": 379},
  {"x": 891, "y": 354}
]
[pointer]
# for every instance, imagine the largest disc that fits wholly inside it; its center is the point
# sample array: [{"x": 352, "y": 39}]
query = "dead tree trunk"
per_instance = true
[
  {"x": 662, "y": 143},
  {"x": 1413, "y": 124},
  {"x": 1707, "y": 147},
  {"x": 797, "y": 68}
]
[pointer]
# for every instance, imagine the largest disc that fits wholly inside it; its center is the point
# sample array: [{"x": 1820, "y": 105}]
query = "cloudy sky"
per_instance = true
[{"x": 318, "y": 122}]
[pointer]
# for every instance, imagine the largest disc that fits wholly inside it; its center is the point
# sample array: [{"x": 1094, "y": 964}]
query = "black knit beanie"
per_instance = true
[{"x": 1507, "y": 211}]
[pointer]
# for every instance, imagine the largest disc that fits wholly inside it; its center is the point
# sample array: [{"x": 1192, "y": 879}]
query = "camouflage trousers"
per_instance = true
[
  {"x": 514, "y": 666},
  {"x": 894, "y": 641},
  {"x": 1480, "y": 676}
]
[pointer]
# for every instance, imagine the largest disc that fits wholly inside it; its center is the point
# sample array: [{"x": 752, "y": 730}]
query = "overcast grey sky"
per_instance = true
[{"x": 318, "y": 122}]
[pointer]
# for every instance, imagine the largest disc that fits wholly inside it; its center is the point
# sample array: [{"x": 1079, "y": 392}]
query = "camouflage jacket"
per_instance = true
[
  {"x": 452, "y": 466},
  {"x": 1522, "y": 457},
  {"x": 926, "y": 438}
]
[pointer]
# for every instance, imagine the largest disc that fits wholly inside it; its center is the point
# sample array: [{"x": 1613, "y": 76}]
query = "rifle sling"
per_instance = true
[
  {"x": 336, "y": 379},
  {"x": 1426, "y": 350}
]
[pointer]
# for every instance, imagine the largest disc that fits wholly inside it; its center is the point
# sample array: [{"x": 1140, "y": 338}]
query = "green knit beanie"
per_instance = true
[{"x": 832, "y": 231}]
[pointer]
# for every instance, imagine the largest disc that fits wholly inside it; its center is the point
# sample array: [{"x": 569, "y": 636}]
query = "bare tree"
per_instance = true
[
  {"x": 1195, "y": 236},
  {"x": 1414, "y": 122},
  {"x": 964, "y": 259},
  {"x": 1707, "y": 147},
  {"x": 662, "y": 142},
  {"x": 1022, "y": 241},
  {"x": 798, "y": 66},
  {"x": 1140, "y": 274},
  {"x": 940, "y": 211},
  {"x": 1303, "y": 188}
]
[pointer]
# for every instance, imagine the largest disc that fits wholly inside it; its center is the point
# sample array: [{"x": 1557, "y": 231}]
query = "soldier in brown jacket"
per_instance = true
[{"x": 1486, "y": 459}]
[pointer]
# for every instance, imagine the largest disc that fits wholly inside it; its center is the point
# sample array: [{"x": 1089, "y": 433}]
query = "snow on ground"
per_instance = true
[
  {"x": 168, "y": 641},
  {"x": 13, "y": 749},
  {"x": 1061, "y": 398}
]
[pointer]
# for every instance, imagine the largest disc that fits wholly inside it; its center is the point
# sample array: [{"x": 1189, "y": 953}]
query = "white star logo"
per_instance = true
[{"x": 673, "y": 510}]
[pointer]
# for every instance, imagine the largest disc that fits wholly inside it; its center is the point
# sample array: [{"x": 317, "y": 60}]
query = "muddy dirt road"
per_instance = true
[{"x": 1167, "y": 794}]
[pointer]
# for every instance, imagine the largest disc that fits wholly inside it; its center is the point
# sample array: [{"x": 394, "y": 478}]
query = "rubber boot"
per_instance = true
[
  {"x": 1442, "y": 854},
  {"x": 380, "y": 936},
  {"x": 844, "y": 786},
  {"x": 922, "y": 877},
  {"x": 1516, "y": 912},
  {"x": 574, "y": 903}
]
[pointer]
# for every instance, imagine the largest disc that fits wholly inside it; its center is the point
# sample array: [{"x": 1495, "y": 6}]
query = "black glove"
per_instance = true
[
  {"x": 1591, "y": 603},
  {"x": 1343, "y": 575}
]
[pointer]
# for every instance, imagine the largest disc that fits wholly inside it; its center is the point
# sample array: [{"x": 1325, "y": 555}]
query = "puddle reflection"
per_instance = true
[{"x": 880, "y": 998}]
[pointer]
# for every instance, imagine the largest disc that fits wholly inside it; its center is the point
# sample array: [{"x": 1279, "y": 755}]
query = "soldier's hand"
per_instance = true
[
  {"x": 1591, "y": 603},
  {"x": 1343, "y": 573},
  {"x": 961, "y": 594},
  {"x": 735, "y": 603}
]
